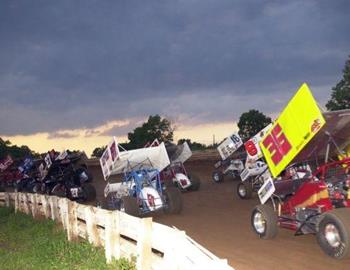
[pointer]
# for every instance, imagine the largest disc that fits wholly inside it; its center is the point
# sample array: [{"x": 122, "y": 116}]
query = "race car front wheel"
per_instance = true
[
  {"x": 264, "y": 221},
  {"x": 172, "y": 200},
  {"x": 89, "y": 192},
  {"x": 217, "y": 176},
  {"x": 245, "y": 190},
  {"x": 129, "y": 205},
  {"x": 333, "y": 233},
  {"x": 195, "y": 182}
]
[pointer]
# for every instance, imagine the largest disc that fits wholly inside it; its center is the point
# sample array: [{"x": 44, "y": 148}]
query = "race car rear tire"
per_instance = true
[
  {"x": 17, "y": 187},
  {"x": 333, "y": 233},
  {"x": 58, "y": 190},
  {"x": 178, "y": 186},
  {"x": 36, "y": 188},
  {"x": 173, "y": 201},
  {"x": 89, "y": 192},
  {"x": 217, "y": 176},
  {"x": 110, "y": 202},
  {"x": 195, "y": 182},
  {"x": 130, "y": 206},
  {"x": 264, "y": 221},
  {"x": 245, "y": 190}
]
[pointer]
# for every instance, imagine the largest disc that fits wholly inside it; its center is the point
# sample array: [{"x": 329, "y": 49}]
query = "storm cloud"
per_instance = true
[{"x": 75, "y": 64}]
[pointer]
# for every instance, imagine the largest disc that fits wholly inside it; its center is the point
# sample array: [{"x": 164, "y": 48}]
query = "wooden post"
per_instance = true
[
  {"x": 144, "y": 245},
  {"x": 172, "y": 255},
  {"x": 117, "y": 253},
  {"x": 25, "y": 203},
  {"x": 45, "y": 205},
  {"x": 91, "y": 226},
  {"x": 16, "y": 202},
  {"x": 63, "y": 203},
  {"x": 7, "y": 199},
  {"x": 75, "y": 220},
  {"x": 34, "y": 205},
  {"x": 53, "y": 207},
  {"x": 20, "y": 204},
  {"x": 72, "y": 225},
  {"x": 112, "y": 236}
]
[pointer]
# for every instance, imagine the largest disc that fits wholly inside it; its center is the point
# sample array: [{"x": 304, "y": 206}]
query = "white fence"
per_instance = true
[{"x": 154, "y": 245}]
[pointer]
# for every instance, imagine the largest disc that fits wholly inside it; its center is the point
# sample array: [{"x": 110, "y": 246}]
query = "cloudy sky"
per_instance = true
[{"x": 74, "y": 73}]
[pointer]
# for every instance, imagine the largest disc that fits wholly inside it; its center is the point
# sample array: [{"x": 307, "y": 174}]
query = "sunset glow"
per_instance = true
[{"x": 89, "y": 139}]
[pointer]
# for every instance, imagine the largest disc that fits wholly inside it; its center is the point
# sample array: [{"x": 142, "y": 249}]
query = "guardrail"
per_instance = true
[{"x": 154, "y": 245}]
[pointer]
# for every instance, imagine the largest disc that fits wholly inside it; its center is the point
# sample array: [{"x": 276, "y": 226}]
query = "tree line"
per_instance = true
[{"x": 6, "y": 148}]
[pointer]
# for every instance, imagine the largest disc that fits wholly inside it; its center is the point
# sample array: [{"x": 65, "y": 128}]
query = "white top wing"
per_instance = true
[
  {"x": 155, "y": 157},
  {"x": 229, "y": 146},
  {"x": 185, "y": 154}
]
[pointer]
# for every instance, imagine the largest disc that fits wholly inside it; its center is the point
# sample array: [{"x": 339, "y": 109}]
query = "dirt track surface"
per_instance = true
[{"x": 215, "y": 217}]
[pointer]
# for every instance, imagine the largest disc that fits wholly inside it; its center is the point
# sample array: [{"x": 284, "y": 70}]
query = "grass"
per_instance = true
[{"x": 40, "y": 244}]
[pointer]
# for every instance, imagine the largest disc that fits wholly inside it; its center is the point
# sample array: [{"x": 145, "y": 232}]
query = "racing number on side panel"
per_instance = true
[
  {"x": 235, "y": 139},
  {"x": 277, "y": 144},
  {"x": 251, "y": 148}
]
